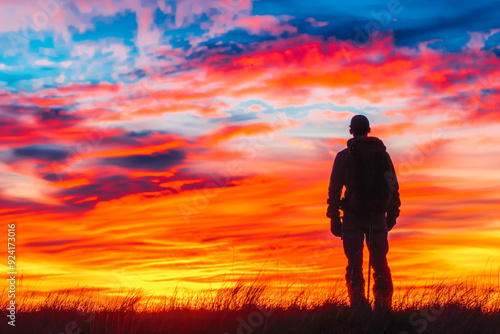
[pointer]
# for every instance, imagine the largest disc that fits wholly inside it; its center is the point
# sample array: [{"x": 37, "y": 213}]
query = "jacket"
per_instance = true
[{"x": 340, "y": 178}]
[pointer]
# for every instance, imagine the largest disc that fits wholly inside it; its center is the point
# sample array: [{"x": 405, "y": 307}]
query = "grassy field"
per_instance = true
[{"x": 465, "y": 307}]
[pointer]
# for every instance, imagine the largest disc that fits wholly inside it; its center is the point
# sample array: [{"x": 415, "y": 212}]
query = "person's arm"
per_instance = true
[
  {"x": 393, "y": 209},
  {"x": 334, "y": 193},
  {"x": 335, "y": 187}
]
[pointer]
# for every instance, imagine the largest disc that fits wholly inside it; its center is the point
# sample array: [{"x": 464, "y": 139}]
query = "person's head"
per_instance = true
[{"x": 360, "y": 126}]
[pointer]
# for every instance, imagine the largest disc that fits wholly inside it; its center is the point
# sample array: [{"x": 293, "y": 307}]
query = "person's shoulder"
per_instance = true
[
  {"x": 343, "y": 151},
  {"x": 376, "y": 139},
  {"x": 341, "y": 155}
]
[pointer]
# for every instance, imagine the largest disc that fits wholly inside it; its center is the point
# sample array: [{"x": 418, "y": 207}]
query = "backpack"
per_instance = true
[{"x": 368, "y": 166}]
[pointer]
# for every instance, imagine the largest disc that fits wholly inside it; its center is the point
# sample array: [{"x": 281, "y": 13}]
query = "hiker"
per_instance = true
[{"x": 370, "y": 206}]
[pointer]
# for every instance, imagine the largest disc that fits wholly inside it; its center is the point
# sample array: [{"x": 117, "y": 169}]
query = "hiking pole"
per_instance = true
[{"x": 369, "y": 256}]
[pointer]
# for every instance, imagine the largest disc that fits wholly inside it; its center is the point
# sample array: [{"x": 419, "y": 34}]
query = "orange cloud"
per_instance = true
[{"x": 227, "y": 132}]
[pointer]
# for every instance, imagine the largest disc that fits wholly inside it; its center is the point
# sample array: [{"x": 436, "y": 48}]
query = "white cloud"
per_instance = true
[
  {"x": 66, "y": 63},
  {"x": 60, "y": 79},
  {"x": 119, "y": 51},
  {"x": 44, "y": 62}
]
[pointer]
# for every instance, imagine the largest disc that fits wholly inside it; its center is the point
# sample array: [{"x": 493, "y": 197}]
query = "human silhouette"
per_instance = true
[{"x": 370, "y": 205}]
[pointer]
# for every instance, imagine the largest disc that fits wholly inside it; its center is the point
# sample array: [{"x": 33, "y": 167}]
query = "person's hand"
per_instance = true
[
  {"x": 391, "y": 221},
  {"x": 336, "y": 225}
]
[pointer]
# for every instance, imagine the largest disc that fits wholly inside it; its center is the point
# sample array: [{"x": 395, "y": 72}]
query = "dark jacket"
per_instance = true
[{"x": 340, "y": 178}]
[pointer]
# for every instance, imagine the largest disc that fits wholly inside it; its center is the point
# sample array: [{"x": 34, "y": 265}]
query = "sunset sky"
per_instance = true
[{"x": 183, "y": 143}]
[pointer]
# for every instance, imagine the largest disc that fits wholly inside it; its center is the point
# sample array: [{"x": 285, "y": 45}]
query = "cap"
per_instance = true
[{"x": 359, "y": 124}]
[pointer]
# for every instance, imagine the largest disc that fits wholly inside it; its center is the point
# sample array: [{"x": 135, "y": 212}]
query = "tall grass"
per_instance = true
[{"x": 468, "y": 306}]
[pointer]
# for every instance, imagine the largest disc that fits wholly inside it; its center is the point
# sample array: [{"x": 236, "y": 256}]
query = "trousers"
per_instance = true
[{"x": 355, "y": 230}]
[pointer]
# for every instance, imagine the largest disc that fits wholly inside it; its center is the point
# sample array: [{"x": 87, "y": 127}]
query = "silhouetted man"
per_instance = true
[{"x": 371, "y": 192}]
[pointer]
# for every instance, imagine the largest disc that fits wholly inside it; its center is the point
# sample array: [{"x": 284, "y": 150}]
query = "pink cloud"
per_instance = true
[
  {"x": 259, "y": 24},
  {"x": 316, "y": 24}
]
